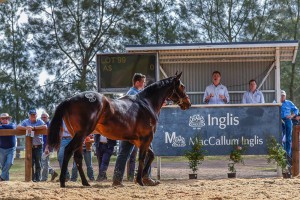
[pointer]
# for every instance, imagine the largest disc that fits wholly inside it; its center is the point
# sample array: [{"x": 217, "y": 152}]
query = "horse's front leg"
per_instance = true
[
  {"x": 142, "y": 155},
  {"x": 78, "y": 160},
  {"x": 147, "y": 180},
  {"x": 148, "y": 160}
]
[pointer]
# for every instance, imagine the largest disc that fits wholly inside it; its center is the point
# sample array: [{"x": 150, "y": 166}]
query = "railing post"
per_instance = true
[
  {"x": 28, "y": 159},
  {"x": 158, "y": 167},
  {"x": 295, "y": 150}
]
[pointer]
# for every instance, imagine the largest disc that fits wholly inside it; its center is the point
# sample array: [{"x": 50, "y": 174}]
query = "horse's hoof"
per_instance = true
[
  {"x": 140, "y": 182},
  {"x": 62, "y": 185},
  {"x": 86, "y": 184}
]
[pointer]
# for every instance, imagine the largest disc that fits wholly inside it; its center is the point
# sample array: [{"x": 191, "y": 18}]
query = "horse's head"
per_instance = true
[{"x": 179, "y": 95}]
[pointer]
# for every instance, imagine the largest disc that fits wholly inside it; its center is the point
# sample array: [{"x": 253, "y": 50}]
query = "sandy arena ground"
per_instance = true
[
  {"x": 266, "y": 188},
  {"x": 256, "y": 180}
]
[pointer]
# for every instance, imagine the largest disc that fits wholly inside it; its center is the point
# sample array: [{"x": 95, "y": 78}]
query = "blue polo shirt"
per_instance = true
[
  {"x": 38, "y": 138},
  {"x": 287, "y": 107},
  {"x": 133, "y": 91}
]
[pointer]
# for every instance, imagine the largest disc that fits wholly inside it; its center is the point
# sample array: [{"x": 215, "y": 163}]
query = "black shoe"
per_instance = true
[
  {"x": 1, "y": 179},
  {"x": 53, "y": 176}
]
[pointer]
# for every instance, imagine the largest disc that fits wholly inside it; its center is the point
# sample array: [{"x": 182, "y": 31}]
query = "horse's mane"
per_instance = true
[{"x": 151, "y": 89}]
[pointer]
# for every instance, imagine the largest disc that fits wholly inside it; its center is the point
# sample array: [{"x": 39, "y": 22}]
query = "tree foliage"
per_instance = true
[
  {"x": 63, "y": 37},
  {"x": 19, "y": 75}
]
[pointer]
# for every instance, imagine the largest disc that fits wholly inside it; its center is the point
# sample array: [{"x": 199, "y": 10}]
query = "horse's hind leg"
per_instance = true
[
  {"x": 78, "y": 160},
  {"x": 67, "y": 155},
  {"x": 75, "y": 144}
]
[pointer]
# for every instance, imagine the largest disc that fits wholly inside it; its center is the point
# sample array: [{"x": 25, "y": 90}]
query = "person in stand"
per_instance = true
[
  {"x": 7, "y": 147},
  {"x": 47, "y": 169},
  {"x": 288, "y": 111},
  {"x": 253, "y": 95},
  {"x": 104, "y": 150},
  {"x": 32, "y": 124},
  {"x": 216, "y": 93},
  {"x": 87, "y": 156},
  {"x": 138, "y": 84}
]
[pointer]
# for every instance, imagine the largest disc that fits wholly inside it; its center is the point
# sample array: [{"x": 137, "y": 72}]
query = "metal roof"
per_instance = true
[{"x": 220, "y": 52}]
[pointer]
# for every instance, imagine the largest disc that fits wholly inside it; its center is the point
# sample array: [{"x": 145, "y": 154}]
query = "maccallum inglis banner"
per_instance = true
[{"x": 218, "y": 129}]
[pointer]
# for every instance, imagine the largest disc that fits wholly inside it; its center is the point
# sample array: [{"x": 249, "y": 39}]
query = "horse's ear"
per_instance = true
[
  {"x": 178, "y": 76},
  {"x": 176, "y": 73}
]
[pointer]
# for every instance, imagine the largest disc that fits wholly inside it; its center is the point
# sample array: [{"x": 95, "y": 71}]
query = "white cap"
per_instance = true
[{"x": 283, "y": 93}]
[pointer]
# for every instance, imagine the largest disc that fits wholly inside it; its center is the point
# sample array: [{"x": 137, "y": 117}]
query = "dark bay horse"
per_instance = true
[{"x": 133, "y": 118}]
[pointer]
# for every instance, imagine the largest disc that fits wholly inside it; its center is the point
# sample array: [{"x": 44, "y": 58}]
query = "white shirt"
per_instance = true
[
  {"x": 65, "y": 131},
  {"x": 256, "y": 97},
  {"x": 216, "y": 91}
]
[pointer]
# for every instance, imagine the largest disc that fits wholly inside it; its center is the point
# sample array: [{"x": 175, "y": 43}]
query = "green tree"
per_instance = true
[
  {"x": 19, "y": 75},
  {"x": 68, "y": 34},
  {"x": 226, "y": 20},
  {"x": 286, "y": 27}
]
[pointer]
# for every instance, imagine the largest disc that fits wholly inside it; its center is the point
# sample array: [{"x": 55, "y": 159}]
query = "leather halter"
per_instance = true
[{"x": 180, "y": 101}]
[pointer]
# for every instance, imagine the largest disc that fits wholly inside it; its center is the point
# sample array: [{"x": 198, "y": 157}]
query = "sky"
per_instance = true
[{"x": 42, "y": 78}]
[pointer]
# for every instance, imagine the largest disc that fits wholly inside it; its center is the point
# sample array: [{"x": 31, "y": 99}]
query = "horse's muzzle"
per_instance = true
[{"x": 186, "y": 103}]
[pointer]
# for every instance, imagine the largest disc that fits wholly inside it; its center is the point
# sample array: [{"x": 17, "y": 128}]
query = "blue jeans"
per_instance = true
[
  {"x": 87, "y": 156},
  {"x": 60, "y": 155},
  {"x": 287, "y": 131},
  {"x": 104, "y": 152},
  {"x": 37, "y": 163},
  {"x": 6, "y": 161},
  {"x": 47, "y": 169},
  {"x": 125, "y": 150}
]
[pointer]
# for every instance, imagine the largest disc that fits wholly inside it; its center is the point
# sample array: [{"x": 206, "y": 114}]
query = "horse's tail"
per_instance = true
[{"x": 54, "y": 129}]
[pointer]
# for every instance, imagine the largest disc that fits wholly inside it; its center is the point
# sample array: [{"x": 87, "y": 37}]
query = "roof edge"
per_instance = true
[{"x": 289, "y": 43}]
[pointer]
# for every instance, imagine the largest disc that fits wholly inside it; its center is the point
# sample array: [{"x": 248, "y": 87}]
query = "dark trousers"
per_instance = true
[
  {"x": 37, "y": 162},
  {"x": 104, "y": 152}
]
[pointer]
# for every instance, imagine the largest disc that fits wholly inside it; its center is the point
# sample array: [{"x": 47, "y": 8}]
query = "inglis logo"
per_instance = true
[
  {"x": 175, "y": 141},
  {"x": 196, "y": 121}
]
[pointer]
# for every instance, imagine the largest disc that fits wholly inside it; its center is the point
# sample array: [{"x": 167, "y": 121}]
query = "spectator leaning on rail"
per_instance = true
[
  {"x": 7, "y": 147},
  {"x": 288, "y": 111},
  {"x": 253, "y": 95},
  {"x": 216, "y": 93},
  {"x": 32, "y": 124}
]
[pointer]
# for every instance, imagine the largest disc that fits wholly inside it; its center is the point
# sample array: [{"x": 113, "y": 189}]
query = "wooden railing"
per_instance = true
[{"x": 28, "y": 148}]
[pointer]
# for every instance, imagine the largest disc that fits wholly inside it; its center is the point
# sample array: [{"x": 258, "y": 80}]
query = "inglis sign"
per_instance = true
[{"x": 219, "y": 128}]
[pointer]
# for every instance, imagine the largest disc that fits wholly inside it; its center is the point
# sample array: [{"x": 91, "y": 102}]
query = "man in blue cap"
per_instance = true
[{"x": 32, "y": 124}]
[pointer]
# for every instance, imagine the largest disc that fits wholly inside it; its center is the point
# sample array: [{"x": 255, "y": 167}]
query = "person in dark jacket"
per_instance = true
[
  {"x": 104, "y": 150},
  {"x": 7, "y": 147}
]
